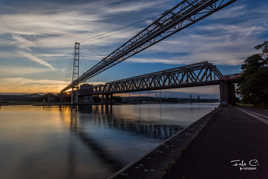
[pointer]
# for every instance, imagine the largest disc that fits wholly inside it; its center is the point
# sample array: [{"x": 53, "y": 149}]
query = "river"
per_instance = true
[{"x": 93, "y": 142}]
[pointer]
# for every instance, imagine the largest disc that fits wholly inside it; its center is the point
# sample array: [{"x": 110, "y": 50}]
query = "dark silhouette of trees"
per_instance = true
[{"x": 253, "y": 85}]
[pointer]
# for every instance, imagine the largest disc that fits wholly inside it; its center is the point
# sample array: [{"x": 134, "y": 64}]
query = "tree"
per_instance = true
[{"x": 253, "y": 85}]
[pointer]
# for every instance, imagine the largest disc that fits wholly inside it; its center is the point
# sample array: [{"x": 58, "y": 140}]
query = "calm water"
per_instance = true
[{"x": 60, "y": 142}]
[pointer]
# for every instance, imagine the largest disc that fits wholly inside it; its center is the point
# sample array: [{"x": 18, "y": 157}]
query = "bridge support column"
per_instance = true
[
  {"x": 227, "y": 92},
  {"x": 102, "y": 99},
  {"x": 108, "y": 99},
  {"x": 74, "y": 98},
  {"x": 85, "y": 94},
  {"x": 61, "y": 96},
  {"x": 111, "y": 99},
  {"x": 85, "y": 100}
]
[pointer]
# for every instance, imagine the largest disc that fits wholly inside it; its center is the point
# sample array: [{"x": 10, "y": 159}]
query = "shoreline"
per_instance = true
[
  {"x": 68, "y": 104},
  {"x": 157, "y": 162}
]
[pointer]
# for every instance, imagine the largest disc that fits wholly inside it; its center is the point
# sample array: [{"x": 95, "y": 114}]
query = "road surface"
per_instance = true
[{"x": 233, "y": 146}]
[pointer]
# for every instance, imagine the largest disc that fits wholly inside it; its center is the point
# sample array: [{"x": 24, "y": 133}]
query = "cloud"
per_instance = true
[
  {"x": 55, "y": 33},
  {"x": 137, "y": 6},
  {"x": 36, "y": 24},
  {"x": 233, "y": 12},
  {"x": 8, "y": 55},
  {"x": 52, "y": 55},
  {"x": 36, "y": 59},
  {"x": 18, "y": 70},
  {"x": 154, "y": 60},
  {"x": 26, "y": 85},
  {"x": 219, "y": 43},
  {"x": 241, "y": 29},
  {"x": 22, "y": 43}
]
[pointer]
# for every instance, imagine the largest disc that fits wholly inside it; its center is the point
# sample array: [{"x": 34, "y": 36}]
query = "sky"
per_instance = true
[{"x": 37, "y": 39}]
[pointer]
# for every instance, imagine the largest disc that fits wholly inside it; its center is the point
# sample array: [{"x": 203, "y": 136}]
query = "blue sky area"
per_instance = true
[{"x": 37, "y": 39}]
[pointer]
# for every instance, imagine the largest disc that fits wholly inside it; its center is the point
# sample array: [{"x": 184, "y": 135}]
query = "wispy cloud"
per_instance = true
[
  {"x": 22, "y": 43},
  {"x": 36, "y": 59},
  {"x": 155, "y": 60},
  {"x": 233, "y": 12},
  {"x": 220, "y": 43},
  {"x": 26, "y": 85},
  {"x": 37, "y": 24},
  {"x": 136, "y": 6},
  {"x": 19, "y": 70}
]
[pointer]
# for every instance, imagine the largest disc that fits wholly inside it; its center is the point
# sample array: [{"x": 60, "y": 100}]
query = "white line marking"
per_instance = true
[
  {"x": 265, "y": 121},
  {"x": 258, "y": 114}
]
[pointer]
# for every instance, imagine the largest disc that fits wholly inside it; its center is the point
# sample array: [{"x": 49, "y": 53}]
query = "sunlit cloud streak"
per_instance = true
[{"x": 36, "y": 59}]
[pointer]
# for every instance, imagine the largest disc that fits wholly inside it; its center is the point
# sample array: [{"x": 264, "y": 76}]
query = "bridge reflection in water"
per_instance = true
[
  {"x": 106, "y": 118},
  {"x": 80, "y": 121}
]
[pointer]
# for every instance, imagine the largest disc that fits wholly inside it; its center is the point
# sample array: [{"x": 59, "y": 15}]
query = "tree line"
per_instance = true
[{"x": 253, "y": 84}]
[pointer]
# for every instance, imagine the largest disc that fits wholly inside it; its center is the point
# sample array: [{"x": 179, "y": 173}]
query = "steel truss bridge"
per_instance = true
[
  {"x": 199, "y": 74},
  {"x": 181, "y": 16}
]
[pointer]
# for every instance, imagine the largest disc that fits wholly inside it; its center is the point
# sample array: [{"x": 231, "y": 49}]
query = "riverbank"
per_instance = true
[
  {"x": 48, "y": 100},
  {"x": 156, "y": 164},
  {"x": 68, "y": 104},
  {"x": 10, "y": 103}
]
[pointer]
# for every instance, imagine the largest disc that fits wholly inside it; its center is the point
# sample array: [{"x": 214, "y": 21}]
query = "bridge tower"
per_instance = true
[{"x": 75, "y": 75}]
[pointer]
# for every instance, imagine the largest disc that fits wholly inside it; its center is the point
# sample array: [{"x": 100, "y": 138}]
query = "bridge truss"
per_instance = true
[
  {"x": 181, "y": 16},
  {"x": 199, "y": 74}
]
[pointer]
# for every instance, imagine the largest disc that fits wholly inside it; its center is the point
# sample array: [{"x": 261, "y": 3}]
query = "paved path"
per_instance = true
[{"x": 234, "y": 134}]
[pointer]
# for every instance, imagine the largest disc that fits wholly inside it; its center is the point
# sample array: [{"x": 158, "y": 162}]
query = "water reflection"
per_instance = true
[
  {"x": 104, "y": 118},
  {"x": 88, "y": 142},
  {"x": 91, "y": 143}
]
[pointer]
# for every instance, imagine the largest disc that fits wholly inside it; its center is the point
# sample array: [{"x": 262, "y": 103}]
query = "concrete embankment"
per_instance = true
[
  {"x": 229, "y": 142},
  {"x": 157, "y": 163}
]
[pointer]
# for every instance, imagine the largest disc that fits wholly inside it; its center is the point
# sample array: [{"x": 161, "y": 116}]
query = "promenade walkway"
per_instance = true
[{"x": 234, "y": 145}]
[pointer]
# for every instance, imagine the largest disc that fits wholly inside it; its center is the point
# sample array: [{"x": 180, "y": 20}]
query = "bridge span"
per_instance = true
[
  {"x": 184, "y": 14},
  {"x": 194, "y": 75},
  {"x": 200, "y": 74}
]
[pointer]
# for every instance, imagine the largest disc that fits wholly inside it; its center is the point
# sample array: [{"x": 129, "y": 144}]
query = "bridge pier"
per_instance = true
[
  {"x": 106, "y": 99},
  {"x": 85, "y": 100},
  {"x": 102, "y": 99},
  {"x": 227, "y": 92},
  {"x": 109, "y": 99},
  {"x": 75, "y": 98},
  {"x": 84, "y": 97}
]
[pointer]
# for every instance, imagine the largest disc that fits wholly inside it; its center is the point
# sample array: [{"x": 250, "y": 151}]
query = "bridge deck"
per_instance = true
[{"x": 230, "y": 134}]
